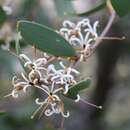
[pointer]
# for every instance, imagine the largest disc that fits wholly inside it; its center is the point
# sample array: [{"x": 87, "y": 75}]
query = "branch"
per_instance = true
[{"x": 106, "y": 29}]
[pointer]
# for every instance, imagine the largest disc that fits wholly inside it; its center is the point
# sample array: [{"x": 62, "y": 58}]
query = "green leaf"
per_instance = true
[
  {"x": 45, "y": 39},
  {"x": 74, "y": 90},
  {"x": 2, "y": 16},
  {"x": 93, "y": 10},
  {"x": 122, "y": 7}
]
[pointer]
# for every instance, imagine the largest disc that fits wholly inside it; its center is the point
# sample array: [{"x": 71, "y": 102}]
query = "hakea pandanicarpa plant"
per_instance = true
[{"x": 55, "y": 82}]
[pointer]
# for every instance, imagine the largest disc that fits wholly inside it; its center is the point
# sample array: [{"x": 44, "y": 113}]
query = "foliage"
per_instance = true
[
  {"x": 44, "y": 38},
  {"x": 75, "y": 89},
  {"x": 122, "y": 7}
]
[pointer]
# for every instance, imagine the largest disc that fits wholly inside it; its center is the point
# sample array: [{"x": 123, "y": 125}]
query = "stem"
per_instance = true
[
  {"x": 109, "y": 24},
  {"x": 62, "y": 123},
  {"x": 105, "y": 31}
]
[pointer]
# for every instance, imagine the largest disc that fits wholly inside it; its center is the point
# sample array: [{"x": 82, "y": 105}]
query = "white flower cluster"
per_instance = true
[
  {"x": 81, "y": 36},
  {"x": 49, "y": 80},
  {"x": 44, "y": 75}
]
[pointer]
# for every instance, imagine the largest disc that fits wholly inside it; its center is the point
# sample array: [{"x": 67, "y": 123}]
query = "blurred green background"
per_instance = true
[{"x": 109, "y": 68}]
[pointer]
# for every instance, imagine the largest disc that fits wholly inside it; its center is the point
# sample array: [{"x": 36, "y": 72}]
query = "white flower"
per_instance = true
[
  {"x": 83, "y": 44},
  {"x": 63, "y": 77},
  {"x": 33, "y": 79},
  {"x": 52, "y": 104},
  {"x": 92, "y": 29},
  {"x": 33, "y": 65},
  {"x": 81, "y": 41},
  {"x": 81, "y": 36},
  {"x": 69, "y": 28},
  {"x": 19, "y": 86}
]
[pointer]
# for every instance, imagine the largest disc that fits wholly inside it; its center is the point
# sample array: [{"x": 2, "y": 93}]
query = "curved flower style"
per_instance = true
[
  {"x": 69, "y": 28},
  {"x": 33, "y": 65},
  {"x": 82, "y": 44},
  {"x": 18, "y": 87},
  {"x": 22, "y": 84},
  {"x": 64, "y": 76},
  {"x": 52, "y": 104},
  {"x": 81, "y": 36}
]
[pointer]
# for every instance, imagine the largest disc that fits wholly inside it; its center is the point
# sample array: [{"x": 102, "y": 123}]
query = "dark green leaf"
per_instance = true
[
  {"x": 122, "y": 7},
  {"x": 74, "y": 90},
  {"x": 94, "y": 10},
  {"x": 2, "y": 16},
  {"x": 45, "y": 39}
]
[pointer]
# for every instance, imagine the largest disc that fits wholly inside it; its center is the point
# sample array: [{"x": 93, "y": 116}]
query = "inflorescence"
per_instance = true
[
  {"x": 53, "y": 81},
  {"x": 81, "y": 36}
]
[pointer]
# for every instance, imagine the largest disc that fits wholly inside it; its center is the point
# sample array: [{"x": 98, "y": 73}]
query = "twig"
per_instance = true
[
  {"x": 105, "y": 31},
  {"x": 62, "y": 123},
  {"x": 108, "y": 26}
]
